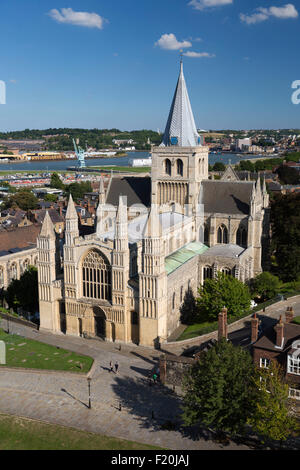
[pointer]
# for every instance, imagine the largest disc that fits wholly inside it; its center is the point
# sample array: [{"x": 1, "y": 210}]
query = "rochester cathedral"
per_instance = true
[{"x": 154, "y": 238}]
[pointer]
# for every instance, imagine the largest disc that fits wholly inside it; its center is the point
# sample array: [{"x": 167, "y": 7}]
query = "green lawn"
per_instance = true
[
  {"x": 27, "y": 353},
  {"x": 25, "y": 434},
  {"x": 297, "y": 320},
  {"x": 192, "y": 331},
  {"x": 145, "y": 169}
]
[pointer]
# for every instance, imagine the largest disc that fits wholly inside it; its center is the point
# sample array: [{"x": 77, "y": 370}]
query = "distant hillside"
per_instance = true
[{"x": 61, "y": 139}]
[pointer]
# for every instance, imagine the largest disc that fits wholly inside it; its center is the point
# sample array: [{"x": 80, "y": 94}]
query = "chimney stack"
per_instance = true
[
  {"x": 222, "y": 327},
  {"x": 279, "y": 328},
  {"x": 254, "y": 328},
  {"x": 289, "y": 315}
]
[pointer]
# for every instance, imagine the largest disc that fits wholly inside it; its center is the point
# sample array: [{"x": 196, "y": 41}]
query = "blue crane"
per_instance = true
[{"x": 80, "y": 153}]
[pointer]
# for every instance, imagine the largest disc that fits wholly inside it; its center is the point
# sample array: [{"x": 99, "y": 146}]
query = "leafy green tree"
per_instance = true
[
  {"x": 285, "y": 245},
  {"x": 219, "y": 166},
  {"x": 223, "y": 291},
  {"x": 219, "y": 389},
  {"x": 246, "y": 165},
  {"x": 265, "y": 286},
  {"x": 24, "y": 292},
  {"x": 56, "y": 182},
  {"x": 24, "y": 199},
  {"x": 189, "y": 310},
  {"x": 50, "y": 198},
  {"x": 79, "y": 189},
  {"x": 288, "y": 175},
  {"x": 272, "y": 417}
]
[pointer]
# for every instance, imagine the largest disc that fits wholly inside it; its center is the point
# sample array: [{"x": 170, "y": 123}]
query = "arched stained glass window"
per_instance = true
[{"x": 96, "y": 276}]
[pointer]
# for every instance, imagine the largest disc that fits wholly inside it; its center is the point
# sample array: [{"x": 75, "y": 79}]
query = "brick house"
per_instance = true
[{"x": 280, "y": 343}]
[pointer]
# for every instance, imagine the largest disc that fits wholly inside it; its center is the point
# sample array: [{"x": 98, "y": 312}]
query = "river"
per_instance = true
[{"x": 59, "y": 165}]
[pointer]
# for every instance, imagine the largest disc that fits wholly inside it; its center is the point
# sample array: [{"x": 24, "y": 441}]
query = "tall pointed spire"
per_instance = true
[
  {"x": 101, "y": 191},
  {"x": 47, "y": 227},
  {"x": 153, "y": 226},
  {"x": 181, "y": 129},
  {"x": 71, "y": 211},
  {"x": 121, "y": 219}
]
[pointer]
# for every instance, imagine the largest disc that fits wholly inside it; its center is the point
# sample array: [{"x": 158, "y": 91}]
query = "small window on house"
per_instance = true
[{"x": 264, "y": 363}]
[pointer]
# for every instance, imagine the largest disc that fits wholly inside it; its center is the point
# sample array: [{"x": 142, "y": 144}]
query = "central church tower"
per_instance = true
[{"x": 180, "y": 163}]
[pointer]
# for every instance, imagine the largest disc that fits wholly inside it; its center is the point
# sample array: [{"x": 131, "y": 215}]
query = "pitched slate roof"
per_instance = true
[
  {"x": 291, "y": 333},
  {"x": 137, "y": 190},
  {"x": 227, "y": 197},
  {"x": 54, "y": 215}
]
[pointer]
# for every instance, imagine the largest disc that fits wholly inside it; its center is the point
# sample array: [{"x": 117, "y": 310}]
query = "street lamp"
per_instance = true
[{"x": 89, "y": 385}]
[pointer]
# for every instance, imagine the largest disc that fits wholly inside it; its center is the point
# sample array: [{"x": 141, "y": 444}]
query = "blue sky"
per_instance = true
[{"x": 116, "y": 64}]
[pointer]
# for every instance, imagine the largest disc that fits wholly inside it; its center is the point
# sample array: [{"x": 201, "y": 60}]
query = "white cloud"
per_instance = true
[
  {"x": 78, "y": 18},
  {"x": 203, "y": 4},
  {"x": 287, "y": 11},
  {"x": 262, "y": 14},
  {"x": 197, "y": 55},
  {"x": 169, "y": 42}
]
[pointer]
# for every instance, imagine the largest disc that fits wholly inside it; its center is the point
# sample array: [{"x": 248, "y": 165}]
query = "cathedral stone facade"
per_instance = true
[{"x": 154, "y": 239}]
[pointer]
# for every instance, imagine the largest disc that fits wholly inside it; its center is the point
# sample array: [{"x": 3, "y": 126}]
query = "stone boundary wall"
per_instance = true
[
  {"x": 172, "y": 369},
  {"x": 4, "y": 316},
  {"x": 178, "y": 347}
]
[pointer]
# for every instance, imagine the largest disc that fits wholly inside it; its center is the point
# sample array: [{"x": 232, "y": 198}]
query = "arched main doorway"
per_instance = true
[{"x": 100, "y": 322}]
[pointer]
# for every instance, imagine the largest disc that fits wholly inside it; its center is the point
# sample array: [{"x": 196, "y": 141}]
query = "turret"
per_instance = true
[
  {"x": 46, "y": 245},
  {"x": 120, "y": 264},
  {"x": 72, "y": 231},
  {"x": 101, "y": 191},
  {"x": 153, "y": 284},
  {"x": 265, "y": 195}
]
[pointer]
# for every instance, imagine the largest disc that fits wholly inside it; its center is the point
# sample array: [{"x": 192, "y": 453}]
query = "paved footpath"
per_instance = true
[{"x": 62, "y": 398}]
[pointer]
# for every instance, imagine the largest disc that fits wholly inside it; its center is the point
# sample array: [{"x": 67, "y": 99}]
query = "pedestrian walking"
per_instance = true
[
  {"x": 154, "y": 378},
  {"x": 116, "y": 366},
  {"x": 111, "y": 367}
]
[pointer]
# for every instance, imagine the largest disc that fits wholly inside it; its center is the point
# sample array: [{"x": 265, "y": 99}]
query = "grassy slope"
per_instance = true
[
  {"x": 25, "y": 434},
  {"x": 27, "y": 353}
]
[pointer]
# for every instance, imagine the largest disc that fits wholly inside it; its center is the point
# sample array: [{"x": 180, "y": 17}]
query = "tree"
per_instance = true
[
  {"x": 219, "y": 166},
  {"x": 265, "y": 286},
  {"x": 222, "y": 291},
  {"x": 24, "y": 199},
  {"x": 272, "y": 416},
  {"x": 24, "y": 292},
  {"x": 285, "y": 222},
  {"x": 188, "y": 310},
  {"x": 219, "y": 389},
  {"x": 79, "y": 189},
  {"x": 288, "y": 175},
  {"x": 50, "y": 197},
  {"x": 56, "y": 182}
]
